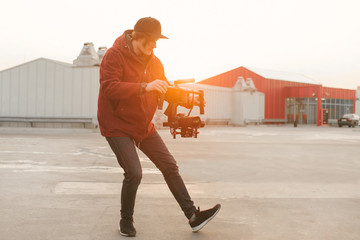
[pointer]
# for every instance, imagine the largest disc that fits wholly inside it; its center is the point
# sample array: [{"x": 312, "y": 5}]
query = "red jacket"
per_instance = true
[{"x": 122, "y": 109}]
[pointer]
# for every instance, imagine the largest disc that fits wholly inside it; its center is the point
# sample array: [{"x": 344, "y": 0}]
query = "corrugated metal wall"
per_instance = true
[
  {"x": 277, "y": 90},
  {"x": 218, "y": 101},
  {"x": 273, "y": 89},
  {"x": 48, "y": 89},
  {"x": 248, "y": 107},
  {"x": 339, "y": 93},
  {"x": 319, "y": 91}
]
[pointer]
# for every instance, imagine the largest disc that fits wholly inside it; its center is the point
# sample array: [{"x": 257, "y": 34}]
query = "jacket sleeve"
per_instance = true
[{"x": 112, "y": 84}]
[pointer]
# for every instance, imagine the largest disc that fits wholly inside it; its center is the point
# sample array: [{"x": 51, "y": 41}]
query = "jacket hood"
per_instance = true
[{"x": 120, "y": 42}]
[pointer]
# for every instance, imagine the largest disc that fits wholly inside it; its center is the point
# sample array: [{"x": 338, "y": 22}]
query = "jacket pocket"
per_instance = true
[
  {"x": 129, "y": 111},
  {"x": 120, "y": 109}
]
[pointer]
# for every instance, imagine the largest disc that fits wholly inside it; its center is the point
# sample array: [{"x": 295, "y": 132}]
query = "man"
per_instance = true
[{"x": 131, "y": 81}]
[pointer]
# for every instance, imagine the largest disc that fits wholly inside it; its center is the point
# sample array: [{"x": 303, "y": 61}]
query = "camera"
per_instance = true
[{"x": 179, "y": 123}]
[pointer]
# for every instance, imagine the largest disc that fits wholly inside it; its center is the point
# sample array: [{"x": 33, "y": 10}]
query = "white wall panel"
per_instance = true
[
  {"x": 68, "y": 92},
  {"x": 85, "y": 90},
  {"x": 218, "y": 102},
  {"x": 14, "y": 91},
  {"x": 95, "y": 92},
  {"x": 23, "y": 90},
  {"x": 77, "y": 92},
  {"x": 49, "y": 88},
  {"x": 41, "y": 88},
  {"x": 5, "y": 109},
  {"x": 32, "y": 90},
  {"x": 59, "y": 91}
]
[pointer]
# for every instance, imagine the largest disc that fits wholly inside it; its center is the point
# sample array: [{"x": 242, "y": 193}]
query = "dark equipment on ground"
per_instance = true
[{"x": 188, "y": 125}]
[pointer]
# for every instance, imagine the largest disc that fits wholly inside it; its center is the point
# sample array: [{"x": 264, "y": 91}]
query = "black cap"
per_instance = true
[{"x": 150, "y": 26}]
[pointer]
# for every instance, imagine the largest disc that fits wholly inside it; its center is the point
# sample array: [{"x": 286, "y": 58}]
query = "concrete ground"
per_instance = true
[{"x": 273, "y": 183}]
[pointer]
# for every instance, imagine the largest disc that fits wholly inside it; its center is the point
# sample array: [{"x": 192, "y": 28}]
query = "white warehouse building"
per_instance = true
[{"x": 49, "y": 93}]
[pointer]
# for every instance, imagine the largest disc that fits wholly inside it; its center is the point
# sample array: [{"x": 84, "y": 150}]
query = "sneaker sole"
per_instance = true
[
  {"x": 125, "y": 234},
  {"x": 198, "y": 228}
]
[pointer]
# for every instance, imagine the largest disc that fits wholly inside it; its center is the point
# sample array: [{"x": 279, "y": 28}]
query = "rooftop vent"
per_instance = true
[
  {"x": 243, "y": 85},
  {"x": 88, "y": 56},
  {"x": 101, "y": 52}
]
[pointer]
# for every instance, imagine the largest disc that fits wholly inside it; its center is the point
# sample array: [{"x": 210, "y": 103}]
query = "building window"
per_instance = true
[
  {"x": 304, "y": 110},
  {"x": 338, "y": 107}
]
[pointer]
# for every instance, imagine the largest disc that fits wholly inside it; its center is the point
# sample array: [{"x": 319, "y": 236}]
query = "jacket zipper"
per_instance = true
[
  {"x": 141, "y": 99},
  {"x": 144, "y": 110}
]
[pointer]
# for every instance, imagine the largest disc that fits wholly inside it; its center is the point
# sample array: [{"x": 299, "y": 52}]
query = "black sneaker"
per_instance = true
[
  {"x": 201, "y": 218},
  {"x": 126, "y": 227}
]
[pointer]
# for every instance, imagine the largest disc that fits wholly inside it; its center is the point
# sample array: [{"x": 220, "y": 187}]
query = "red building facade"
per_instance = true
[{"x": 291, "y": 96}]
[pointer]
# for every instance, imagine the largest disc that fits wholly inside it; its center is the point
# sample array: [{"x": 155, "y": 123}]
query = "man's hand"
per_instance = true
[{"x": 157, "y": 85}]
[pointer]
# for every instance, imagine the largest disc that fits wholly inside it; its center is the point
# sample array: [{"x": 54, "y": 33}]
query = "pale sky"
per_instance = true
[{"x": 317, "y": 38}]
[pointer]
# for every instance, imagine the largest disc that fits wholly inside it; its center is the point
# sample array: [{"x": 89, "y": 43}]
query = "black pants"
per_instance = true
[{"x": 157, "y": 152}]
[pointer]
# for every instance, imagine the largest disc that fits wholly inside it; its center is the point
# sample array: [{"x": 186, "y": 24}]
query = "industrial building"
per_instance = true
[
  {"x": 49, "y": 93},
  {"x": 292, "y": 97}
]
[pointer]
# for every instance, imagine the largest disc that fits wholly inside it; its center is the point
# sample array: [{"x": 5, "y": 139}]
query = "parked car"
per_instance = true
[{"x": 350, "y": 120}]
